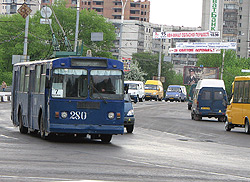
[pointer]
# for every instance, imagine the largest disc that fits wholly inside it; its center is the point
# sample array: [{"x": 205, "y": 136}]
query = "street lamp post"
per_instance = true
[
  {"x": 159, "y": 64},
  {"x": 77, "y": 23},
  {"x": 26, "y": 33},
  {"x": 121, "y": 27}
]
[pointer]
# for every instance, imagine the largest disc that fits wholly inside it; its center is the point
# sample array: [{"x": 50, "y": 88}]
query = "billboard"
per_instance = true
[
  {"x": 193, "y": 51},
  {"x": 192, "y": 74},
  {"x": 214, "y": 45},
  {"x": 187, "y": 35},
  {"x": 214, "y": 8},
  {"x": 126, "y": 64}
]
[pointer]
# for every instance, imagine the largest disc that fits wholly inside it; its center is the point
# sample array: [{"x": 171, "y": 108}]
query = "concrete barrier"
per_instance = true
[{"x": 5, "y": 96}]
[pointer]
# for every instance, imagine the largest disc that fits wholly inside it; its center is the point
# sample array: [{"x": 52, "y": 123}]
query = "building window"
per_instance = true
[
  {"x": 238, "y": 49},
  {"x": 132, "y": 5},
  {"x": 241, "y": 1},
  {"x": 142, "y": 6},
  {"x": 99, "y": 3},
  {"x": 240, "y": 17}
]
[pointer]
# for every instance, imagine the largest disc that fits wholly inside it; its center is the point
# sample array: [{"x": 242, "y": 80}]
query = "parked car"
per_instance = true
[
  {"x": 191, "y": 95},
  {"x": 129, "y": 118},
  {"x": 176, "y": 93},
  {"x": 210, "y": 100},
  {"x": 154, "y": 90},
  {"x": 136, "y": 90}
]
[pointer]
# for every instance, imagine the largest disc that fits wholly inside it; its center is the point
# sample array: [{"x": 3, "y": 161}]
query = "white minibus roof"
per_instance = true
[
  {"x": 210, "y": 83},
  {"x": 135, "y": 82}
]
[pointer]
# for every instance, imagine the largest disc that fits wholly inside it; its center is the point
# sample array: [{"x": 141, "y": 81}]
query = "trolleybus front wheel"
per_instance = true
[
  {"x": 22, "y": 128},
  {"x": 42, "y": 129},
  {"x": 106, "y": 138}
]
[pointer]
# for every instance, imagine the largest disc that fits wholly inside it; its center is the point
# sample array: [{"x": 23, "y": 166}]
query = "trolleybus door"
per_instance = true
[{"x": 31, "y": 95}]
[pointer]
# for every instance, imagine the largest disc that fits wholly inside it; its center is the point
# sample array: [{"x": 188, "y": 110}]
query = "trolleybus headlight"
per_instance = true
[
  {"x": 111, "y": 115},
  {"x": 64, "y": 115}
]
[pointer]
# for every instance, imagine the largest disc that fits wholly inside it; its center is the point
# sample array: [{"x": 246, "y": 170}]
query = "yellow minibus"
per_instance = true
[{"x": 238, "y": 110}]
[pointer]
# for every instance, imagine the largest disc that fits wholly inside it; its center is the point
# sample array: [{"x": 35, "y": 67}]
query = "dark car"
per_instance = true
[{"x": 129, "y": 118}]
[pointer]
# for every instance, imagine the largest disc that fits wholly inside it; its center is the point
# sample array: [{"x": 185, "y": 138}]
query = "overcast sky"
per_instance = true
[{"x": 186, "y": 13}]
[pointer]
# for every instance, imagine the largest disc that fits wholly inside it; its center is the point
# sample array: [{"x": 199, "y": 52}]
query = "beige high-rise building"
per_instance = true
[{"x": 233, "y": 20}]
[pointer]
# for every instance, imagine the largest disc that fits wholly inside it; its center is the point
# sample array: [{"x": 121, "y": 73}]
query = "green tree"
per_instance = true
[
  {"x": 135, "y": 73},
  {"x": 149, "y": 64},
  {"x": 40, "y": 35},
  {"x": 232, "y": 65}
]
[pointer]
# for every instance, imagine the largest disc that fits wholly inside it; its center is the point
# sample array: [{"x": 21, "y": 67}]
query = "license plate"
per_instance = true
[
  {"x": 171, "y": 98},
  {"x": 205, "y": 108}
]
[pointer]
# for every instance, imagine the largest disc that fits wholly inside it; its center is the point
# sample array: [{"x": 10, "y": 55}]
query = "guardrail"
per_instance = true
[{"x": 5, "y": 96}]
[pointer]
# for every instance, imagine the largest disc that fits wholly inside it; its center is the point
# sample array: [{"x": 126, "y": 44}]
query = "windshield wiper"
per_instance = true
[{"x": 100, "y": 95}]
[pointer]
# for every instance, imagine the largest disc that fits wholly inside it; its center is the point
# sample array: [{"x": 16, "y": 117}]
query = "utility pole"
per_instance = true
[
  {"x": 77, "y": 23},
  {"x": 121, "y": 27},
  {"x": 222, "y": 66},
  {"x": 26, "y": 33},
  {"x": 159, "y": 64}
]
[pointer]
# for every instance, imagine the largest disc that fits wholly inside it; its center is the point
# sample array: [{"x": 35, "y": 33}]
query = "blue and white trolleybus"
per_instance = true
[{"x": 70, "y": 95}]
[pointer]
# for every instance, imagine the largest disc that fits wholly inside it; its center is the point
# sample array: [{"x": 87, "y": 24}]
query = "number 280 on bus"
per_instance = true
[{"x": 74, "y": 95}]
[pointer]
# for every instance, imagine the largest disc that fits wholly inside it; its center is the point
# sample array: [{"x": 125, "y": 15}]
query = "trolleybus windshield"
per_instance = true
[
  {"x": 70, "y": 83},
  {"x": 106, "y": 84}
]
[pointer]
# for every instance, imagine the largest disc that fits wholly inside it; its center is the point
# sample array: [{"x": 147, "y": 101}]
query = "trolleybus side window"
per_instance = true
[
  {"x": 38, "y": 77},
  {"x": 26, "y": 79},
  {"x": 21, "y": 86},
  {"x": 70, "y": 83},
  {"x": 43, "y": 77}
]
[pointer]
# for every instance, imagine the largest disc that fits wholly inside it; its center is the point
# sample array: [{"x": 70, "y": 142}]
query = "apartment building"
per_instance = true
[
  {"x": 112, "y": 9},
  {"x": 233, "y": 22},
  {"x": 137, "y": 37}
]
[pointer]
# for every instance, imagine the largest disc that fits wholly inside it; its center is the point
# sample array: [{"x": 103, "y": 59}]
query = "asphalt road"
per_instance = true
[{"x": 166, "y": 145}]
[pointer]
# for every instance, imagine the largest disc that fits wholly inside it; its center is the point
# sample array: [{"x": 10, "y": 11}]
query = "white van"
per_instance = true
[{"x": 136, "y": 90}]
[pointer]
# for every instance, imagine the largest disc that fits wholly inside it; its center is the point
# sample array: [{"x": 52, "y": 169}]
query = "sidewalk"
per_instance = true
[{"x": 5, "y": 96}]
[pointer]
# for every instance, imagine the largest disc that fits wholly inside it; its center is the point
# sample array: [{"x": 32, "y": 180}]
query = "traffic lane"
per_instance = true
[
  {"x": 143, "y": 156},
  {"x": 146, "y": 155},
  {"x": 174, "y": 117}
]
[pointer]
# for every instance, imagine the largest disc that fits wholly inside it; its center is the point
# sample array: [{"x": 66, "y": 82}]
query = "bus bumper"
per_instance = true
[{"x": 86, "y": 129}]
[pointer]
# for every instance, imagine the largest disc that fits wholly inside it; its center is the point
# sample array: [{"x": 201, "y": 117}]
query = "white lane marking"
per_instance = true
[
  {"x": 5, "y": 136},
  {"x": 50, "y": 179},
  {"x": 185, "y": 169}
]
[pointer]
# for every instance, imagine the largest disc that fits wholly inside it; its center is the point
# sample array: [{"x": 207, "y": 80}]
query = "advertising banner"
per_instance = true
[
  {"x": 192, "y": 74},
  {"x": 187, "y": 35},
  {"x": 214, "y": 8},
  {"x": 193, "y": 51},
  {"x": 126, "y": 64},
  {"x": 215, "y": 45}
]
